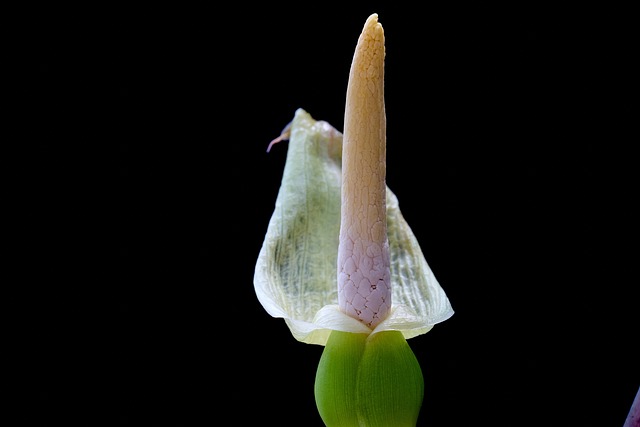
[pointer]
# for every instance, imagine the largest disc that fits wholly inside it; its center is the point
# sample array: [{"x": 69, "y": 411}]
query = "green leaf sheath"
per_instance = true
[
  {"x": 336, "y": 378},
  {"x": 390, "y": 383},
  {"x": 369, "y": 381}
]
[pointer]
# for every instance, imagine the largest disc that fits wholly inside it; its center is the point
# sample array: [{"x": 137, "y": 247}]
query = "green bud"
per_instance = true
[{"x": 368, "y": 381}]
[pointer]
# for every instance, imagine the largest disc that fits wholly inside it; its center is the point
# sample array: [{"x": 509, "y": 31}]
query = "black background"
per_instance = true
[{"x": 145, "y": 192}]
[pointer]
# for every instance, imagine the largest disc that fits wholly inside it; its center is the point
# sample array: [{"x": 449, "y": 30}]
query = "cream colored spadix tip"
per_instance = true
[{"x": 372, "y": 21}]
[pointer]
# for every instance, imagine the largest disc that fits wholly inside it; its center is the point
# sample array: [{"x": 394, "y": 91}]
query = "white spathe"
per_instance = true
[{"x": 295, "y": 275}]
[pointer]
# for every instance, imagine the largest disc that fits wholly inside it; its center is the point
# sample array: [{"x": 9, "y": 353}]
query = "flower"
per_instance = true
[
  {"x": 341, "y": 265},
  {"x": 296, "y": 271}
]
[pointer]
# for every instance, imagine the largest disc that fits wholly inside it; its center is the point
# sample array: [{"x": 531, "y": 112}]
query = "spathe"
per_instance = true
[{"x": 295, "y": 274}]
